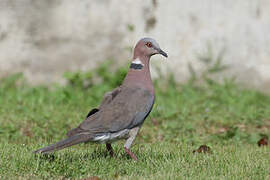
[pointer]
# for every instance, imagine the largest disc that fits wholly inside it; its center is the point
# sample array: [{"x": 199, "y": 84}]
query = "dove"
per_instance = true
[{"x": 122, "y": 111}]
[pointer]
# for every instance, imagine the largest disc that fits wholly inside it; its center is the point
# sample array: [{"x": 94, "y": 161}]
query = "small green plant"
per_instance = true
[
  {"x": 11, "y": 81},
  {"x": 79, "y": 79},
  {"x": 130, "y": 27},
  {"x": 212, "y": 65},
  {"x": 113, "y": 79},
  {"x": 103, "y": 72}
]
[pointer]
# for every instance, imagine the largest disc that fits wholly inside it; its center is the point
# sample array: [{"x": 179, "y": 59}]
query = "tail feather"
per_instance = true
[
  {"x": 74, "y": 131},
  {"x": 70, "y": 141}
]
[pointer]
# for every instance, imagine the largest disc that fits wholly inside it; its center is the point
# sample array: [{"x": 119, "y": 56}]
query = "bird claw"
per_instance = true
[{"x": 131, "y": 154}]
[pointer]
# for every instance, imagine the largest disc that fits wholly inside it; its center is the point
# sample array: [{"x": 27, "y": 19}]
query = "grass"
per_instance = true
[{"x": 224, "y": 116}]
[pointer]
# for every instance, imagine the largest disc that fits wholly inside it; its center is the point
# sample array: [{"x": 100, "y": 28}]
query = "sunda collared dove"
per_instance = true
[{"x": 122, "y": 111}]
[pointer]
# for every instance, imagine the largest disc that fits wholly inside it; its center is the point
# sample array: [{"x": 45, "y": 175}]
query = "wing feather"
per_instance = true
[{"x": 127, "y": 110}]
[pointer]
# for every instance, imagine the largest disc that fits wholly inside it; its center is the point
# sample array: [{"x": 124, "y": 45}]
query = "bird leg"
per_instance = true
[
  {"x": 110, "y": 149},
  {"x": 132, "y": 135},
  {"x": 133, "y": 156}
]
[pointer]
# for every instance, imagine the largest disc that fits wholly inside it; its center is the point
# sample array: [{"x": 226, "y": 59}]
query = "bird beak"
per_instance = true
[{"x": 162, "y": 53}]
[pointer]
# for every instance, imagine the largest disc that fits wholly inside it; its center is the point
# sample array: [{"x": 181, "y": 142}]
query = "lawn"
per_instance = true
[{"x": 224, "y": 116}]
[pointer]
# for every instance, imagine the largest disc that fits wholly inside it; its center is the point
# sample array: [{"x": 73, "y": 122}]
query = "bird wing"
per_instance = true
[
  {"x": 108, "y": 97},
  {"x": 92, "y": 111},
  {"x": 128, "y": 109}
]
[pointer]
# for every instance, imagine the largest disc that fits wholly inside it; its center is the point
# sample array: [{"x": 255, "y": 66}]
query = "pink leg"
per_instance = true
[
  {"x": 110, "y": 149},
  {"x": 131, "y": 154}
]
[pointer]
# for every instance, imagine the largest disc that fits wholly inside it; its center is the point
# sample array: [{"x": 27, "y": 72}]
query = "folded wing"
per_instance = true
[{"x": 127, "y": 110}]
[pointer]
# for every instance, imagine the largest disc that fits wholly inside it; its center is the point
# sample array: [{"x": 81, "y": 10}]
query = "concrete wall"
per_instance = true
[{"x": 45, "y": 38}]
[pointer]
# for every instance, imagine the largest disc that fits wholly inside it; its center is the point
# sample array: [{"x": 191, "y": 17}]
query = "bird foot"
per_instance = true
[
  {"x": 131, "y": 154},
  {"x": 110, "y": 149}
]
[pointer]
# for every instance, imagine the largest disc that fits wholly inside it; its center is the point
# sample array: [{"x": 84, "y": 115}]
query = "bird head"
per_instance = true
[{"x": 148, "y": 47}]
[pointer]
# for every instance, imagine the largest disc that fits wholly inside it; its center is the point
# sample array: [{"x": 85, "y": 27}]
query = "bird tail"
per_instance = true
[
  {"x": 73, "y": 132},
  {"x": 70, "y": 141}
]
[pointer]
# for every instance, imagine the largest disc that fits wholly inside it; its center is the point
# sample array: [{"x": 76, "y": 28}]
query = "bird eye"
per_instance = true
[{"x": 148, "y": 44}]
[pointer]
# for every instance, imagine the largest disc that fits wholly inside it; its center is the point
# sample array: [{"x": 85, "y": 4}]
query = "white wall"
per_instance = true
[{"x": 43, "y": 39}]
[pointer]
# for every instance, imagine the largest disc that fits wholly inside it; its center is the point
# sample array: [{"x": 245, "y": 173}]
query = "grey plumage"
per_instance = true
[
  {"x": 73, "y": 140},
  {"x": 119, "y": 116},
  {"x": 120, "y": 112}
]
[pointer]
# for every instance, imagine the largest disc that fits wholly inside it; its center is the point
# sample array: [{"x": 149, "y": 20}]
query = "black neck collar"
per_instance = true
[{"x": 135, "y": 66}]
